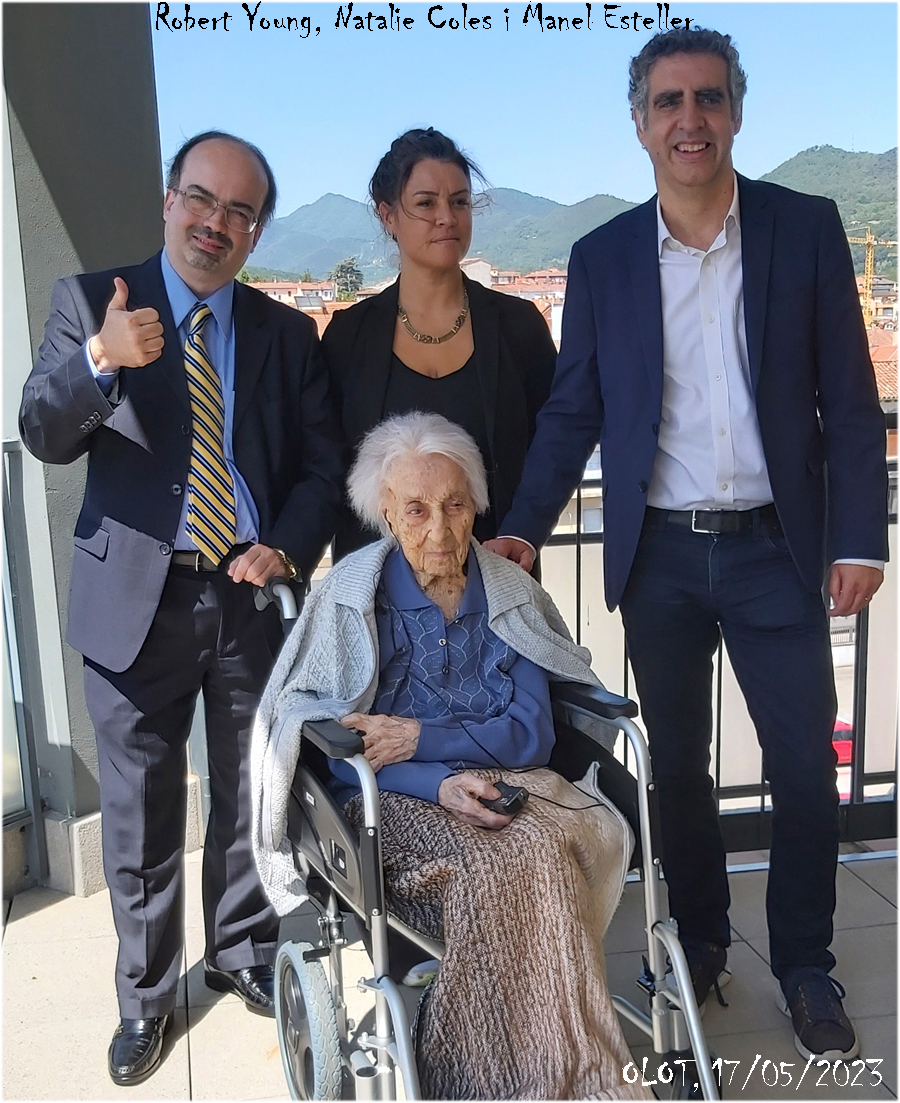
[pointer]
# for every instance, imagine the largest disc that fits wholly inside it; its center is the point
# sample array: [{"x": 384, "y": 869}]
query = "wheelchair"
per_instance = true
[{"x": 323, "y": 1059}]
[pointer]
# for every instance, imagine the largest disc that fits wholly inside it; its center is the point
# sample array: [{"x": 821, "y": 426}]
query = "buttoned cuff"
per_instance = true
[{"x": 521, "y": 539}]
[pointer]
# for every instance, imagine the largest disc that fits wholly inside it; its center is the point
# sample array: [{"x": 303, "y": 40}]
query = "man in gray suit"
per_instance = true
[{"x": 214, "y": 465}]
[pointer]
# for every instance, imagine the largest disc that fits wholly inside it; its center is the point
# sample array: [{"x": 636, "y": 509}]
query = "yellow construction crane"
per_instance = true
[{"x": 870, "y": 241}]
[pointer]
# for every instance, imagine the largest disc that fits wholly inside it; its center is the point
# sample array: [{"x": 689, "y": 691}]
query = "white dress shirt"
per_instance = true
[{"x": 710, "y": 453}]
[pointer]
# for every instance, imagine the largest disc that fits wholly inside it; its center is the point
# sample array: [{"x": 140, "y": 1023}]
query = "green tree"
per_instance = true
[
  {"x": 243, "y": 276},
  {"x": 307, "y": 277},
  {"x": 348, "y": 279}
]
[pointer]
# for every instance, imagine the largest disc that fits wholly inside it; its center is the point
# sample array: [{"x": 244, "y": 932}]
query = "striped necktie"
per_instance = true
[{"x": 210, "y": 515}]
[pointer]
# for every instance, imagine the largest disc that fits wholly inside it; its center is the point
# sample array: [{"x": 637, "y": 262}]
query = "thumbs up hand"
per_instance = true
[{"x": 127, "y": 338}]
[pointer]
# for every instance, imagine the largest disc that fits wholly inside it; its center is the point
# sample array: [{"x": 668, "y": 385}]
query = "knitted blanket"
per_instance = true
[{"x": 520, "y": 1007}]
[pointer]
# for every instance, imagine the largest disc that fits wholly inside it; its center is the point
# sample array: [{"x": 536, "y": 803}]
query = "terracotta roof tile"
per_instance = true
[{"x": 884, "y": 360}]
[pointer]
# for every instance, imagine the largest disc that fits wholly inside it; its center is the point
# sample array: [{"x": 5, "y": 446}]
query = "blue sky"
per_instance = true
[{"x": 544, "y": 112}]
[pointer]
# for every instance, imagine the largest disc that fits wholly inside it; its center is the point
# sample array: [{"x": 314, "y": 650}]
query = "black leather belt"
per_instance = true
[
  {"x": 718, "y": 521},
  {"x": 197, "y": 561}
]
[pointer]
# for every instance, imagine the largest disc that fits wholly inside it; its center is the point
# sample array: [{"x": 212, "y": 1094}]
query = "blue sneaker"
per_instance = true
[{"x": 813, "y": 1001}]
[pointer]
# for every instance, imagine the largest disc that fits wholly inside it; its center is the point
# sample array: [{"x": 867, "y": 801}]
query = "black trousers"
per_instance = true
[
  {"x": 207, "y": 636},
  {"x": 686, "y": 589}
]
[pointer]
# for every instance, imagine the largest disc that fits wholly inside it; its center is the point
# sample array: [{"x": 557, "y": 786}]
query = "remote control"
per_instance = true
[{"x": 512, "y": 799}]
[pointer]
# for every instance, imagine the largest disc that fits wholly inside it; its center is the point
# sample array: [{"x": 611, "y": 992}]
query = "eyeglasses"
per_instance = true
[{"x": 201, "y": 204}]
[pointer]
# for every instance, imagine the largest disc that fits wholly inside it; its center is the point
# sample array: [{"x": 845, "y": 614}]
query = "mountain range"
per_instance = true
[{"x": 515, "y": 230}]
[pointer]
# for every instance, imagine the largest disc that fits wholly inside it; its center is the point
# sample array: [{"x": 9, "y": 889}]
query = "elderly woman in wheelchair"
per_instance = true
[{"x": 440, "y": 655}]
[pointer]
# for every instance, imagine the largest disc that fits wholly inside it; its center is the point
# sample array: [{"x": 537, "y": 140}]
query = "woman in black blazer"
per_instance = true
[{"x": 435, "y": 340}]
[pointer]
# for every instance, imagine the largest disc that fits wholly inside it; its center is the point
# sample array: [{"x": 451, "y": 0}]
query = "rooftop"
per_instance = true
[
  {"x": 292, "y": 285},
  {"x": 884, "y": 360},
  {"x": 321, "y": 315}
]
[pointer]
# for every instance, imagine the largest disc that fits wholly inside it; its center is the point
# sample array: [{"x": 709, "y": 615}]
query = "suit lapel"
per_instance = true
[
  {"x": 147, "y": 289},
  {"x": 486, "y": 336},
  {"x": 643, "y": 264},
  {"x": 251, "y": 343},
  {"x": 757, "y": 229},
  {"x": 373, "y": 371}
]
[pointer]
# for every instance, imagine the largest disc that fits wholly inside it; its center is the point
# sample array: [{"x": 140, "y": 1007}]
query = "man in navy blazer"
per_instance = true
[
  {"x": 157, "y": 612},
  {"x": 713, "y": 342}
]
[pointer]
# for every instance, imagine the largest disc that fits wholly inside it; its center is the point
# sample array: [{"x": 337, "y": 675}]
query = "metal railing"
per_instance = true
[{"x": 869, "y": 806}]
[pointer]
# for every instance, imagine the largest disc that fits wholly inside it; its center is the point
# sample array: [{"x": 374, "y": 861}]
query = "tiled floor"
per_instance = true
[{"x": 59, "y": 1008}]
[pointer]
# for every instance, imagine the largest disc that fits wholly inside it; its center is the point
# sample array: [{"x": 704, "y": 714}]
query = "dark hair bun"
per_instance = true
[{"x": 395, "y": 167}]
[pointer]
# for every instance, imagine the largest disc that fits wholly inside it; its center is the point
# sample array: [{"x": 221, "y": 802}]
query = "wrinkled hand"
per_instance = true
[
  {"x": 257, "y": 565},
  {"x": 387, "y": 738},
  {"x": 851, "y": 586},
  {"x": 508, "y": 547},
  {"x": 459, "y": 795},
  {"x": 127, "y": 338}
]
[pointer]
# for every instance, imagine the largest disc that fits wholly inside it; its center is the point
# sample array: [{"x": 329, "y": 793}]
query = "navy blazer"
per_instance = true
[
  {"x": 822, "y": 428},
  {"x": 285, "y": 438}
]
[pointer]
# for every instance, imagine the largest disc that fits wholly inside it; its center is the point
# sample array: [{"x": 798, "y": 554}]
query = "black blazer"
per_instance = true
[
  {"x": 286, "y": 446},
  {"x": 514, "y": 358}
]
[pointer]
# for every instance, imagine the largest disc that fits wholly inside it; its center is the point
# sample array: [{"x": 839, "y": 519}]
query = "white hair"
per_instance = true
[{"x": 412, "y": 434}]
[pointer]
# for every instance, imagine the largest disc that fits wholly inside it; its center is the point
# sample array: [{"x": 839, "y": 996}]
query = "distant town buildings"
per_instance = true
[
  {"x": 479, "y": 270},
  {"x": 285, "y": 291},
  {"x": 884, "y": 298},
  {"x": 546, "y": 288}
]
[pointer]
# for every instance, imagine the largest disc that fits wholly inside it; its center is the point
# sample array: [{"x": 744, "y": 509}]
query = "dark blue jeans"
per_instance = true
[{"x": 686, "y": 589}]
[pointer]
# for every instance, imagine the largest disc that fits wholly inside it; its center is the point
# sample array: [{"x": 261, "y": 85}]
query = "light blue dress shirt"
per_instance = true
[
  {"x": 218, "y": 336},
  {"x": 479, "y": 703}
]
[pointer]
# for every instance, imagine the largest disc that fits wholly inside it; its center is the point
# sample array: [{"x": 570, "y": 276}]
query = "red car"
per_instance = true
[{"x": 843, "y": 742}]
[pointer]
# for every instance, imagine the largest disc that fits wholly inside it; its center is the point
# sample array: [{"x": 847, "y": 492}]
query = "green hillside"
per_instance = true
[
  {"x": 268, "y": 275},
  {"x": 332, "y": 216},
  {"x": 515, "y": 230},
  {"x": 319, "y": 235},
  {"x": 545, "y": 240},
  {"x": 864, "y": 186}
]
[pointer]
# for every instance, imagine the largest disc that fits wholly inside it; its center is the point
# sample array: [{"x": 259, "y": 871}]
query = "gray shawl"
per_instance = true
[{"x": 328, "y": 668}]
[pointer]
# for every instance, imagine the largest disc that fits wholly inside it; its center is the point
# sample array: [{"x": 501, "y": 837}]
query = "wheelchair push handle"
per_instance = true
[{"x": 279, "y": 591}]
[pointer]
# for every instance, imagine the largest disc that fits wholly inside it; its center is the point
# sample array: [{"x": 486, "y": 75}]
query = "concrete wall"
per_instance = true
[{"x": 81, "y": 146}]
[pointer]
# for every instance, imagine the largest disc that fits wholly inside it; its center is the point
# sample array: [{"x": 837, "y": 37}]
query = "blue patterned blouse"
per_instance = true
[{"x": 478, "y": 701}]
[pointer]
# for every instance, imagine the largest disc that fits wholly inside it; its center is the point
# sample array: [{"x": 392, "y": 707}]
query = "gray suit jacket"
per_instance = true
[{"x": 286, "y": 447}]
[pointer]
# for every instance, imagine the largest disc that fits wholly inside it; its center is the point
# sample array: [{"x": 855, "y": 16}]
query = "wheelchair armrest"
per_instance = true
[
  {"x": 333, "y": 739},
  {"x": 593, "y": 699}
]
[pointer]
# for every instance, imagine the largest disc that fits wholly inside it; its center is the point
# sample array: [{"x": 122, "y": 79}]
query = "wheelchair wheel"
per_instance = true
[{"x": 307, "y": 1025}]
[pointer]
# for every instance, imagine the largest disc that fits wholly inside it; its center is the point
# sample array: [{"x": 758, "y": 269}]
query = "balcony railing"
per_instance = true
[{"x": 864, "y": 650}]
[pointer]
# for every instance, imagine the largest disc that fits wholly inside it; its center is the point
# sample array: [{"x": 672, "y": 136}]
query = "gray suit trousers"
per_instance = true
[{"x": 207, "y": 636}]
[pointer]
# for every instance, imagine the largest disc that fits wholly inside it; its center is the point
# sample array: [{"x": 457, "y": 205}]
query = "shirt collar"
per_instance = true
[
  {"x": 403, "y": 592},
  {"x": 663, "y": 235},
  {"x": 182, "y": 300}
]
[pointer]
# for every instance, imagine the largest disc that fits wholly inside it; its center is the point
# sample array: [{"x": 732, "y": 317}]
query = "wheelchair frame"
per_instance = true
[{"x": 674, "y": 1020}]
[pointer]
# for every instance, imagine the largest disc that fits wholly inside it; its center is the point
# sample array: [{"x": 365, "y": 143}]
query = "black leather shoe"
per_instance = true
[
  {"x": 706, "y": 961},
  {"x": 136, "y": 1049},
  {"x": 255, "y": 985}
]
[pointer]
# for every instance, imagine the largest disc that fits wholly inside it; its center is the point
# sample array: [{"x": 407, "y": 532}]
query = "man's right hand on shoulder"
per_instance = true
[
  {"x": 509, "y": 547},
  {"x": 128, "y": 338}
]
